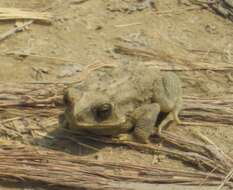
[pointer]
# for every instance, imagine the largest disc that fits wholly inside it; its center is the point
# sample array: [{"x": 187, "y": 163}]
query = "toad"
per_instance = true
[{"x": 123, "y": 100}]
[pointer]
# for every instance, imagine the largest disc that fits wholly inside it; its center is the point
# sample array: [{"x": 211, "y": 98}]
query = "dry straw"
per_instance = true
[{"x": 20, "y": 102}]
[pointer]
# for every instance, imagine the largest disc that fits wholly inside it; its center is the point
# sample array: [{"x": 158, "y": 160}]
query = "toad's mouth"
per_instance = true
[{"x": 102, "y": 124}]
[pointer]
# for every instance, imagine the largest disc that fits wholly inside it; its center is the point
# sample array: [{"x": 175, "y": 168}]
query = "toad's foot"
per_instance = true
[
  {"x": 176, "y": 118},
  {"x": 172, "y": 116},
  {"x": 125, "y": 137}
]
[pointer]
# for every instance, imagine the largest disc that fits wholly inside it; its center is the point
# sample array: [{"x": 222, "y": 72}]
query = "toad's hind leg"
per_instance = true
[
  {"x": 168, "y": 94},
  {"x": 172, "y": 116},
  {"x": 145, "y": 118}
]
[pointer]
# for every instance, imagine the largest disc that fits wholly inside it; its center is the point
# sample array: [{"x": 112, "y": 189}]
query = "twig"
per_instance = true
[
  {"x": 227, "y": 178},
  {"x": 209, "y": 51},
  {"x": 78, "y": 1},
  {"x": 7, "y": 14},
  {"x": 178, "y": 11},
  {"x": 206, "y": 178},
  {"x": 25, "y": 55},
  {"x": 14, "y": 30},
  {"x": 202, "y": 3},
  {"x": 127, "y": 25}
]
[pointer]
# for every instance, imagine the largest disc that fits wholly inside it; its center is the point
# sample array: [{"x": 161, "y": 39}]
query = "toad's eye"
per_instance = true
[{"x": 102, "y": 111}]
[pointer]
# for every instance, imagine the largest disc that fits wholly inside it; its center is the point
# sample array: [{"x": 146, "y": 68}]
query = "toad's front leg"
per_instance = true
[{"x": 145, "y": 118}]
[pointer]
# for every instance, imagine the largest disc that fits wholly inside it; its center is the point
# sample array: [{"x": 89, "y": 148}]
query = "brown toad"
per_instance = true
[{"x": 126, "y": 99}]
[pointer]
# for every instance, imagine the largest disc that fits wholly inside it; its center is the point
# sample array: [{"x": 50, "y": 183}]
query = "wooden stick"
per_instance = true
[
  {"x": 15, "y": 30},
  {"x": 7, "y": 14},
  {"x": 227, "y": 178}
]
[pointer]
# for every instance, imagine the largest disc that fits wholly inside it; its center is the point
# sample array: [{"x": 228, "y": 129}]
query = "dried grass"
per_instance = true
[
  {"x": 24, "y": 162},
  {"x": 7, "y": 14},
  {"x": 31, "y": 107},
  {"x": 165, "y": 61}
]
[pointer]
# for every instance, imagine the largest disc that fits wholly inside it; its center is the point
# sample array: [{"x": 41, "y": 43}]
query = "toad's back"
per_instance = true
[{"x": 127, "y": 85}]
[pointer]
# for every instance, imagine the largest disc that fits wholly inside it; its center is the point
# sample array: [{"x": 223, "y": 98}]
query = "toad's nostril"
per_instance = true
[{"x": 102, "y": 111}]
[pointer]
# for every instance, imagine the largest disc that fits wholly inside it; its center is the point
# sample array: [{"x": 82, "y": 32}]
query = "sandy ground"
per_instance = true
[{"x": 86, "y": 33}]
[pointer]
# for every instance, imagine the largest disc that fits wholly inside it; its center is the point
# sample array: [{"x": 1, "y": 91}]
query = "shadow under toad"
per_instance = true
[
  {"x": 62, "y": 140},
  {"x": 74, "y": 142}
]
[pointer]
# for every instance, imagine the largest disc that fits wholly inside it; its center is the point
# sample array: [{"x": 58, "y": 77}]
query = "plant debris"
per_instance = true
[
  {"x": 24, "y": 162},
  {"x": 221, "y": 7},
  {"x": 19, "y": 28},
  {"x": 7, "y": 14}
]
